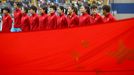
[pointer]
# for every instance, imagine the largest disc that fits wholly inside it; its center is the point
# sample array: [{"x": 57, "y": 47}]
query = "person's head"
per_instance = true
[
  {"x": 43, "y": 9},
  {"x": 17, "y": 5},
  {"x": 33, "y": 9},
  {"x": 60, "y": 9},
  {"x": 72, "y": 9},
  {"x": 106, "y": 9},
  {"x": 52, "y": 9},
  {"x": 6, "y": 10},
  {"x": 94, "y": 9},
  {"x": 25, "y": 10},
  {"x": 84, "y": 9},
  {"x": 94, "y": 2}
]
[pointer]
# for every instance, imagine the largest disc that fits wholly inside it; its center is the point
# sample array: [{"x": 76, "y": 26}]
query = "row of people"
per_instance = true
[{"x": 52, "y": 20}]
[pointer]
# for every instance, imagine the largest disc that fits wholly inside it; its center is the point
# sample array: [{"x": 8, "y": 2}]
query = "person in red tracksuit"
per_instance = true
[
  {"x": 17, "y": 15},
  {"x": 108, "y": 17},
  {"x": 97, "y": 18},
  {"x": 73, "y": 20},
  {"x": 25, "y": 21},
  {"x": 52, "y": 19},
  {"x": 85, "y": 18},
  {"x": 43, "y": 19},
  {"x": 62, "y": 19},
  {"x": 34, "y": 19},
  {"x": 6, "y": 20}
]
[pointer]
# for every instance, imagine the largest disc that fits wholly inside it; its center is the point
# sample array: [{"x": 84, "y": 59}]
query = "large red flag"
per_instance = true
[{"x": 105, "y": 49}]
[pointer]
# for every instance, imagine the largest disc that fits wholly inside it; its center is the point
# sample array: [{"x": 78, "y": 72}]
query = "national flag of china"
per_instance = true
[{"x": 105, "y": 49}]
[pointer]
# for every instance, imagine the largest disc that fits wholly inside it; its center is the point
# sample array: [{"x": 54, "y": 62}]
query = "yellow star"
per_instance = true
[
  {"x": 123, "y": 53},
  {"x": 75, "y": 55},
  {"x": 98, "y": 72},
  {"x": 85, "y": 43}
]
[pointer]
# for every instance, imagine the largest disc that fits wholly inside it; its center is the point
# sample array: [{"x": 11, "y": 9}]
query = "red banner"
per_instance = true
[{"x": 105, "y": 49}]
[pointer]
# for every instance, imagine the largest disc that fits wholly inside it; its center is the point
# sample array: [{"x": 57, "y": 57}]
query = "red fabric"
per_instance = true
[
  {"x": 34, "y": 22},
  {"x": 109, "y": 18},
  {"x": 17, "y": 18},
  {"x": 43, "y": 21},
  {"x": 25, "y": 23},
  {"x": 97, "y": 19},
  {"x": 62, "y": 21},
  {"x": 106, "y": 49},
  {"x": 85, "y": 19},
  {"x": 52, "y": 21},
  {"x": 6, "y": 23},
  {"x": 73, "y": 20}
]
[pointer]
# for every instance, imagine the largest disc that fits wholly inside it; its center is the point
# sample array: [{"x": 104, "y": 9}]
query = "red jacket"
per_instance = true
[
  {"x": 85, "y": 19},
  {"x": 25, "y": 22},
  {"x": 34, "y": 22},
  {"x": 97, "y": 19},
  {"x": 52, "y": 21},
  {"x": 6, "y": 23},
  {"x": 62, "y": 21},
  {"x": 109, "y": 18},
  {"x": 73, "y": 20},
  {"x": 43, "y": 21},
  {"x": 17, "y": 18}
]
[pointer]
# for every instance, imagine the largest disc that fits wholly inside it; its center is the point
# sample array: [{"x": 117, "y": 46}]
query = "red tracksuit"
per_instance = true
[
  {"x": 85, "y": 19},
  {"x": 97, "y": 19},
  {"x": 6, "y": 23},
  {"x": 34, "y": 22},
  {"x": 109, "y": 18},
  {"x": 17, "y": 18},
  {"x": 73, "y": 20},
  {"x": 25, "y": 22},
  {"x": 62, "y": 21},
  {"x": 43, "y": 21},
  {"x": 52, "y": 21}
]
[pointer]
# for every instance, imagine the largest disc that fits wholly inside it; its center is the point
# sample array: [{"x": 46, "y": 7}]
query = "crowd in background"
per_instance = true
[{"x": 26, "y": 16}]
